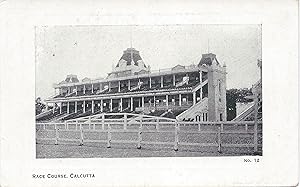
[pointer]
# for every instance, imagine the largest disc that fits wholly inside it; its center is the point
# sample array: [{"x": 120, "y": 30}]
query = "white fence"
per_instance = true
[{"x": 143, "y": 125}]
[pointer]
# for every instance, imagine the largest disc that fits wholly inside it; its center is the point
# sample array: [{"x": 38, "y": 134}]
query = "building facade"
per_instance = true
[{"x": 187, "y": 93}]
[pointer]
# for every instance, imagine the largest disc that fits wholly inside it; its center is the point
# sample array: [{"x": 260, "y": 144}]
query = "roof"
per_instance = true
[
  {"x": 129, "y": 55},
  {"x": 207, "y": 59}
]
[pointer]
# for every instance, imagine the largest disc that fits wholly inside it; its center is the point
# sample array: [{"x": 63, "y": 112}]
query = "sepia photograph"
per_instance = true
[{"x": 148, "y": 91}]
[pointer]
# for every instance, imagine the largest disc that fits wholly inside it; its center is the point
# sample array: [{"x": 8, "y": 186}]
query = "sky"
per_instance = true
[{"x": 92, "y": 51}]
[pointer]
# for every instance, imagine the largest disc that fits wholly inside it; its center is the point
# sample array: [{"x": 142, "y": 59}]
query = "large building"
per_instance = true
[{"x": 187, "y": 93}]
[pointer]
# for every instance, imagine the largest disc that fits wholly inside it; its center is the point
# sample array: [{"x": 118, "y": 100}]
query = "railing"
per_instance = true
[{"x": 173, "y": 130}]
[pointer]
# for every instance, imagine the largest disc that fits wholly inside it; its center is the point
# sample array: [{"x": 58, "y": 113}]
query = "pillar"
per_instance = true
[
  {"x": 93, "y": 102},
  {"x": 69, "y": 89},
  {"x": 174, "y": 80},
  {"x": 200, "y": 93},
  {"x": 83, "y": 89},
  {"x": 110, "y": 105},
  {"x": 100, "y": 86},
  {"x": 75, "y": 106},
  {"x": 179, "y": 99},
  {"x": 101, "y": 105},
  {"x": 76, "y": 90},
  {"x": 119, "y": 86},
  {"x": 167, "y": 101},
  {"x": 154, "y": 104},
  {"x": 121, "y": 105},
  {"x": 128, "y": 84},
  {"x": 194, "y": 98},
  {"x": 84, "y": 106},
  {"x": 149, "y": 82},
  {"x": 143, "y": 102},
  {"x": 109, "y": 85},
  {"x": 68, "y": 107},
  {"x": 60, "y": 108},
  {"x": 53, "y": 108},
  {"x": 200, "y": 76},
  {"x": 131, "y": 104},
  {"x": 92, "y": 88},
  {"x": 161, "y": 81}
]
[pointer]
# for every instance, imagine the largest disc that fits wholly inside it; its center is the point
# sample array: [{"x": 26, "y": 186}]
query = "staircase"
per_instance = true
[
  {"x": 201, "y": 106},
  {"x": 248, "y": 114}
]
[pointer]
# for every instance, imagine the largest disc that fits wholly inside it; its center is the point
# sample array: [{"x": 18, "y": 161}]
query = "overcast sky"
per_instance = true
[{"x": 91, "y": 51}]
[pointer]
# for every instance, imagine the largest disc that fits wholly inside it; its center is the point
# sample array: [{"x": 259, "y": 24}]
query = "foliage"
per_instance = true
[{"x": 232, "y": 97}]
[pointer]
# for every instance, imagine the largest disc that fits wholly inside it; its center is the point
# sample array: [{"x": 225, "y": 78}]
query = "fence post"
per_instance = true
[
  {"x": 125, "y": 121},
  {"x": 176, "y": 137},
  {"x": 108, "y": 136},
  {"x": 139, "y": 138},
  {"x": 255, "y": 124},
  {"x": 81, "y": 135},
  {"x": 157, "y": 124},
  {"x": 66, "y": 127},
  {"x": 219, "y": 140},
  {"x": 103, "y": 122},
  {"x": 56, "y": 135}
]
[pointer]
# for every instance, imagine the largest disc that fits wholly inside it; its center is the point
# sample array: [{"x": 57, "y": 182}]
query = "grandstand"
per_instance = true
[{"x": 186, "y": 93}]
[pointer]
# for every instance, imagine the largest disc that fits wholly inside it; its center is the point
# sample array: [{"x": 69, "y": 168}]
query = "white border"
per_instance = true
[{"x": 280, "y": 145}]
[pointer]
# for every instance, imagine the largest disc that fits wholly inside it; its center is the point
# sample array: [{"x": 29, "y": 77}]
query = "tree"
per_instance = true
[
  {"x": 232, "y": 97},
  {"x": 39, "y": 106}
]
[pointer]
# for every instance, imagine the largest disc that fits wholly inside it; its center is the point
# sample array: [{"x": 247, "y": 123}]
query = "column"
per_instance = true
[
  {"x": 179, "y": 99},
  {"x": 194, "y": 98},
  {"x": 131, "y": 104},
  {"x": 93, "y": 102},
  {"x": 69, "y": 89},
  {"x": 167, "y": 101},
  {"x": 154, "y": 104},
  {"x": 68, "y": 107},
  {"x": 150, "y": 82},
  {"x": 110, "y": 105},
  {"x": 84, "y": 106},
  {"x": 143, "y": 99},
  {"x": 92, "y": 88},
  {"x": 119, "y": 86},
  {"x": 100, "y": 86},
  {"x": 128, "y": 84},
  {"x": 109, "y": 85},
  {"x": 200, "y": 93},
  {"x": 76, "y": 90},
  {"x": 121, "y": 105},
  {"x": 200, "y": 76},
  {"x": 53, "y": 108},
  {"x": 83, "y": 89},
  {"x": 174, "y": 80},
  {"x": 161, "y": 81},
  {"x": 101, "y": 105},
  {"x": 75, "y": 106},
  {"x": 60, "y": 108}
]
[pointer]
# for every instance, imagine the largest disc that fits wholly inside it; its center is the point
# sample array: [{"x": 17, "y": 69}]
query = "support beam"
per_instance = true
[
  {"x": 110, "y": 105},
  {"x": 121, "y": 105},
  {"x": 75, "y": 106},
  {"x": 109, "y": 86},
  {"x": 143, "y": 101},
  {"x": 179, "y": 99},
  {"x": 174, "y": 80},
  {"x": 167, "y": 101},
  {"x": 84, "y": 89},
  {"x": 128, "y": 84},
  {"x": 161, "y": 81},
  {"x": 119, "y": 89},
  {"x": 92, "y": 88},
  {"x": 93, "y": 106},
  {"x": 131, "y": 104},
  {"x": 154, "y": 104},
  {"x": 60, "y": 108},
  {"x": 201, "y": 94},
  {"x": 68, "y": 107},
  {"x": 101, "y": 105},
  {"x": 150, "y": 82},
  {"x": 84, "y": 105}
]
